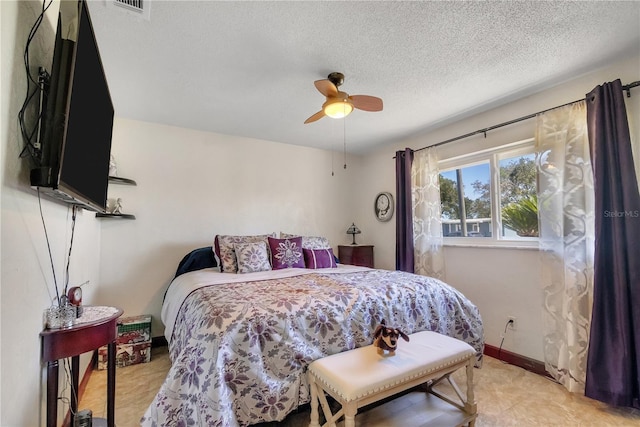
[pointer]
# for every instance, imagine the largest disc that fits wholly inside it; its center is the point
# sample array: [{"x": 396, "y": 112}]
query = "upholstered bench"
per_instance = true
[{"x": 359, "y": 377}]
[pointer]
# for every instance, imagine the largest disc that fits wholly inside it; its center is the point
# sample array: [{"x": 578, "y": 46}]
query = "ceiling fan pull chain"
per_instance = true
[
  {"x": 344, "y": 138},
  {"x": 332, "y": 156}
]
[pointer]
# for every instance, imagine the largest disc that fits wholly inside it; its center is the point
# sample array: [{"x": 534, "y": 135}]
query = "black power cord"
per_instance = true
[
  {"x": 74, "y": 210},
  {"x": 30, "y": 147},
  {"x": 510, "y": 321},
  {"x": 46, "y": 235},
  {"x": 73, "y": 228}
]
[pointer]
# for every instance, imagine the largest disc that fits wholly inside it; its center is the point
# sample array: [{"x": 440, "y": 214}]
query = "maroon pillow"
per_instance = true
[
  {"x": 319, "y": 258},
  {"x": 286, "y": 253}
]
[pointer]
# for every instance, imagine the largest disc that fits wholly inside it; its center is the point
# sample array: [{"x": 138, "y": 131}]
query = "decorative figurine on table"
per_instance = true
[{"x": 386, "y": 338}]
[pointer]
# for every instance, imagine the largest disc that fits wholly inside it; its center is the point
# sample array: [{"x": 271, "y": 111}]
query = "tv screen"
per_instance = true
[{"x": 78, "y": 122}]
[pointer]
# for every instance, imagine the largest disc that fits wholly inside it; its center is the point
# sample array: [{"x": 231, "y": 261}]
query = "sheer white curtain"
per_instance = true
[
  {"x": 427, "y": 223},
  {"x": 565, "y": 205}
]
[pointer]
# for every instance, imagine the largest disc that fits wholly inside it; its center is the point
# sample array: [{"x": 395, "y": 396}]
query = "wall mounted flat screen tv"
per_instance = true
[{"x": 77, "y": 118}]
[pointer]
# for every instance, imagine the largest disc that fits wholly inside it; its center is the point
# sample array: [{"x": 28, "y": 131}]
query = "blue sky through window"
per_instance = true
[{"x": 470, "y": 174}]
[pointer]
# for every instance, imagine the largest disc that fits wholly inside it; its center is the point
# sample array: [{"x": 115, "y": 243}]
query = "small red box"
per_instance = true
[
  {"x": 126, "y": 354},
  {"x": 133, "y": 342},
  {"x": 134, "y": 329}
]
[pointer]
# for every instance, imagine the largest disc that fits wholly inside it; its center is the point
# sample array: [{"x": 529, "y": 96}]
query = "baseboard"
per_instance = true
[
  {"x": 160, "y": 341},
  {"x": 524, "y": 362}
]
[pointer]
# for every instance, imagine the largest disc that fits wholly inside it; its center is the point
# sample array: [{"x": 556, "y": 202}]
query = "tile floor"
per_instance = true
[{"x": 506, "y": 396}]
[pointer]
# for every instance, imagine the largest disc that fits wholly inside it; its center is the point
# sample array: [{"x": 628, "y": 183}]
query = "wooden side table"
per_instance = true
[
  {"x": 356, "y": 255},
  {"x": 96, "y": 327}
]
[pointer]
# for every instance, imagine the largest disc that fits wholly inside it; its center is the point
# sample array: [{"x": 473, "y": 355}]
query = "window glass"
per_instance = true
[
  {"x": 518, "y": 202},
  {"x": 469, "y": 216}
]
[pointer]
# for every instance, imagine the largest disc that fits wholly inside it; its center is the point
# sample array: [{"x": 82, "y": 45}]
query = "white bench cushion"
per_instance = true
[{"x": 355, "y": 374}]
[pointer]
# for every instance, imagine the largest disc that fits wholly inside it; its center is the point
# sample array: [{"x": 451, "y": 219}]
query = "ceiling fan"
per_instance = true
[{"x": 339, "y": 104}]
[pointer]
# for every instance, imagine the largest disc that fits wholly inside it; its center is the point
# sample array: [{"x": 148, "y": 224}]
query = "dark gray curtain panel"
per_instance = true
[
  {"x": 404, "y": 211},
  {"x": 613, "y": 364}
]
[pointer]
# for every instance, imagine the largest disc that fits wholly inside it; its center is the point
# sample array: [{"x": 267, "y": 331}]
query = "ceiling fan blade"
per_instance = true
[
  {"x": 317, "y": 116},
  {"x": 326, "y": 88},
  {"x": 366, "y": 102}
]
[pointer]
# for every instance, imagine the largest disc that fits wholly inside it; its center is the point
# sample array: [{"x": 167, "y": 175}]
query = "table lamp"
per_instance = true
[{"x": 353, "y": 230}]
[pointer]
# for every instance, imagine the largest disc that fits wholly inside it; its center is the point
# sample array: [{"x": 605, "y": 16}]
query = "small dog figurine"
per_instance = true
[{"x": 386, "y": 339}]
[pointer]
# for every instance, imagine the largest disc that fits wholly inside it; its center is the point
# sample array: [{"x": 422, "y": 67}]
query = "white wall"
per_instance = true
[
  {"x": 193, "y": 185},
  {"x": 501, "y": 282}
]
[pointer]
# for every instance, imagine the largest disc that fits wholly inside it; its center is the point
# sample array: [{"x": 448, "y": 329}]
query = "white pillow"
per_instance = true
[
  {"x": 223, "y": 248},
  {"x": 252, "y": 257},
  {"x": 309, "y": 242}
]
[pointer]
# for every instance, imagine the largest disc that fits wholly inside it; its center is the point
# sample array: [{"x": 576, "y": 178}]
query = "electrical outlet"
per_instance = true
[{"x": 513, "y": 323}]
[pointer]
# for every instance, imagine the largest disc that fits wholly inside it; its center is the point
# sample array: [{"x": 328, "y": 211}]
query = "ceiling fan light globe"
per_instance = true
[{"x": 337, "y": 108}]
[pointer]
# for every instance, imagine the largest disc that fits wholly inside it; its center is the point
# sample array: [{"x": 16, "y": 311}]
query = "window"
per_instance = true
[{"x": 490, "y": 195}]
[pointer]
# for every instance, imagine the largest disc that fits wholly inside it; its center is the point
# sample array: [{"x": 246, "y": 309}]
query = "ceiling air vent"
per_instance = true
[{"x": 135, "y": 7}]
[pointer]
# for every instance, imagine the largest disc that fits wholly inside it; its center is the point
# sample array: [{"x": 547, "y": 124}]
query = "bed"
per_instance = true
[{"x": 240, "y": 343}]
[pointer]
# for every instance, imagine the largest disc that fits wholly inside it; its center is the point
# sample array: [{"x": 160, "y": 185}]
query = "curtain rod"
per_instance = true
[{"x": 626, "y": 88}]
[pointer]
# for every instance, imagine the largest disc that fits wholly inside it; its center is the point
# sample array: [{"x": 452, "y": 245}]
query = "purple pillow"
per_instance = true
[
  {"x": 286, "y": 253},
  {"x": 319, "y": 258}
]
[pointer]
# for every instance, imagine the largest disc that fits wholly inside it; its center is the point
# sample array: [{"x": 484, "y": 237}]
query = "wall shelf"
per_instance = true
[
  {"x": 118, "y": 216},
  {"x": 120, "y": 181}
]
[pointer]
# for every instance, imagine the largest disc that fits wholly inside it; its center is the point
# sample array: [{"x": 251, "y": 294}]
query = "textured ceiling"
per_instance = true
[{"x": 247, "y": 68}]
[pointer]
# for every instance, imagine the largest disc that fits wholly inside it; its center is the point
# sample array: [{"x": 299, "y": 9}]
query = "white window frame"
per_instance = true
[{"x": 493, "y": 156}]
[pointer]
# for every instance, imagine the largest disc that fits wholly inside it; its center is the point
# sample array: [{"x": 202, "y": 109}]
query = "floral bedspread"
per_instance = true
[{"x": 239, "y": 351}]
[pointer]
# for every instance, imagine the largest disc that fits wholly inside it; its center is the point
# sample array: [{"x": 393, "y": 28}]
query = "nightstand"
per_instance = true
[
  {"x": 96, "y": 327},
  {"x": 356, "y": 255}
]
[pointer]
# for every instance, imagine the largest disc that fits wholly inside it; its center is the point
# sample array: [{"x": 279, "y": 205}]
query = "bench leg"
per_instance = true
[
  {"x": 470, "y": 405},
  {"x": 318, "y": 397},
  {"x": 315, "y": 421},
  {"x": 350, "y": 410}
]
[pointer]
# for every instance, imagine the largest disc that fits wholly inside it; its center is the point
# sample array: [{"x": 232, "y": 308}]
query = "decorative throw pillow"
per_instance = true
[
  {"x": 252, "y": 257},
  {"x": 309, "y": 242},
  {"x": 223, "y": 247},
  {"x": 286, "y": 253},
  {"x": 319, "y": 258}
]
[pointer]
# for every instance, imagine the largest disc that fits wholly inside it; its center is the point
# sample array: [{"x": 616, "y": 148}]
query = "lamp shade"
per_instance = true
[{"x": 337, "y": 108}]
